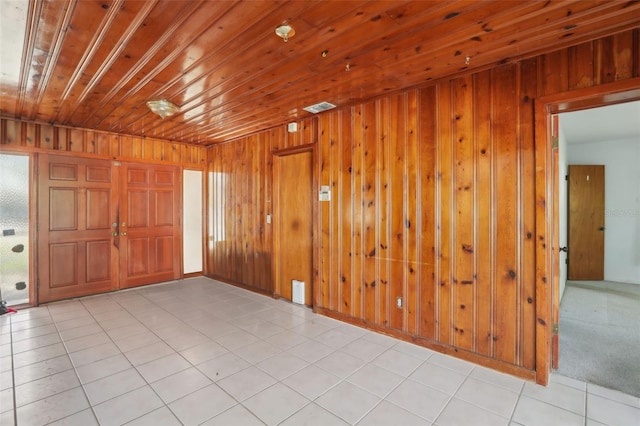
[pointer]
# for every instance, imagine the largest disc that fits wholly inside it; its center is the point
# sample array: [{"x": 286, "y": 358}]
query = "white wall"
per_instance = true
[
  {"x": 192, "y": 221},
  {"x": 562, "y": 204},
  {"x": 621, "y": 159}
]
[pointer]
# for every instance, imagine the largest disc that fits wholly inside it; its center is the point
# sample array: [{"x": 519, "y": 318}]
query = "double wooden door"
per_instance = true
[{"x": 105, "y": 225}]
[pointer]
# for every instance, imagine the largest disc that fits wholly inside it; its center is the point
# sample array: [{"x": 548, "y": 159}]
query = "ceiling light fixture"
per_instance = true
[
  {"x": 285, "y": 31},
  {"x": 163, "y": 107}
]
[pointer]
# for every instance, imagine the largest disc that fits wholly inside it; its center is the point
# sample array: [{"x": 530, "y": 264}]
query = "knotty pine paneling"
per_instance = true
[
  {"x": 37, "y": 137},
  {"x": 433, "y": 192},
  {"x": 437, "y": 205},
  {"x": 433, "y": 200},
  {"x": 240, "y": 241}
]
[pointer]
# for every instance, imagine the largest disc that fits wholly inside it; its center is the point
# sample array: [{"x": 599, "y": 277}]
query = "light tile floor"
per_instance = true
[{"x": 201, "y": 352}]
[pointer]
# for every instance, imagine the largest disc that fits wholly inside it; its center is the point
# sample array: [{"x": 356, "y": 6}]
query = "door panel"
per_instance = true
[
  {"x": 77, "y": 252},
  {"x": 586, "y": 223},
  {"x": 82, "y": 202},
  {"x": 294, "y": 216},
  {"x": 149, "y": 224}
]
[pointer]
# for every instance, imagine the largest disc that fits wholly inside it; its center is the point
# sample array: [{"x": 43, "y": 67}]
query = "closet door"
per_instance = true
[
  {"x": 149, "y": 224},
  {"x": 76, "y": 231}
]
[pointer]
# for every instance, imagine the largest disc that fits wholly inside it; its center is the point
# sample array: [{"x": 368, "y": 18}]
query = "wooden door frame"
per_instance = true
[
  {"x": 547, "y": 218},
  {"x": 275, "y": 264}
]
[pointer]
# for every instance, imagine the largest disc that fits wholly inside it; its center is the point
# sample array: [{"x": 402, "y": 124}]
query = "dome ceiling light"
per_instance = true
[
  {"x": 163, "y": 107},
  {"x": 285, "y": 31}
]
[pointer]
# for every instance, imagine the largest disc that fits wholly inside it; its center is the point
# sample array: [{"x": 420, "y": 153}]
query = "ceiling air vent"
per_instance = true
[{"x": 322, "y": 106}]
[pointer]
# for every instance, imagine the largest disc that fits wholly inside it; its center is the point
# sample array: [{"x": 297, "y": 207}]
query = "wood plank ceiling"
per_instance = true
[{"x": 95, "y": 63}]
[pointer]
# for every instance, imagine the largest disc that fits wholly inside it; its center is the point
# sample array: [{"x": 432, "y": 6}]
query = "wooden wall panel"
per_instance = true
[
  {"x": 344, "y": 201},
  {"x": 433, "y": 200},
  {"x": 324, "y": 278},
  {"x": 425, "y": 225},
  {"x": 358, "y": 208},
  {"x": 393, "y": 208},
  {"x": 411, "y": 288},
  {"x": 38, "y": 137},
  {"x": 372, "y": 223},
  {"x": 506, "y": 213},
  {"x": 444, "y": 215},
  {"x": 526, "y": 93},
  {"x": 240, "y": 198},
  {"x": 464, "y": 284},
  {"x": 383, "y": 246},
  {"x": 335, "y": 140},
  {"x": 459, "y": 201},
  {"x": 484, "y": 224}
]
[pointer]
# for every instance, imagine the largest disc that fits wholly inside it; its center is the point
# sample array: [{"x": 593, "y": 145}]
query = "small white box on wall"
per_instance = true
[{"x": 297, "y": 291}]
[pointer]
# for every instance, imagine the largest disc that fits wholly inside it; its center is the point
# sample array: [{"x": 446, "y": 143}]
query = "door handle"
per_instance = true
[
  {"x": 564, "y": 249},
  {"x": 601, "y": 228},
  {"x": 123, "y": 233},
  {"x": 114, "y": 233}
]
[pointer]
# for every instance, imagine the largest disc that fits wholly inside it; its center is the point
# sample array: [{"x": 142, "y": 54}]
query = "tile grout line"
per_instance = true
[
  {"x": 177, "y": 352},
  {"x": 134, "y": 290},
  {"x": 513, "y": 409},
  {"x": 68, "y": 354},
  {"x": 13, "y": 374},
  {"x": 453, "y": 395},
  {"x": 75, "y": 371},
  {"x": 393, "y": 389},
  {"x": 161, "y": 304}
]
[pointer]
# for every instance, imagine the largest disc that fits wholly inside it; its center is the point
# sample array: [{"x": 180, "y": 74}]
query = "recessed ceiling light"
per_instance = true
[{"x": 319, "y": 107}]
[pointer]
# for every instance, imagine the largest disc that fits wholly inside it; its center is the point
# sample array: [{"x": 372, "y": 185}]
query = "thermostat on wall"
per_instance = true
[{"x": 324, "y": 194}]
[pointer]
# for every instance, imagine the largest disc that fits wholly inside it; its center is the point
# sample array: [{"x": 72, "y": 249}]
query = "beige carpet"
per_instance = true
[{"x": 600, "y": 334}]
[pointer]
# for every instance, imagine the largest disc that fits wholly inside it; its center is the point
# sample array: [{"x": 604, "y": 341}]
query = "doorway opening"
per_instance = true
[
  {"x": 599, "y": 224},
  {"x": 547, "y": 212},
  {"x": 14, "y": 229}
]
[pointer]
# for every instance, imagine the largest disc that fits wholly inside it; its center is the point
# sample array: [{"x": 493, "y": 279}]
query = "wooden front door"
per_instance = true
[
  {"x": 294, "y": 223},
  {"x": 586, "y": 223},
  {"x": 149, "y": 224},
  {"x": 103, "y": 226},
  {"x": 77, "y": 253}
]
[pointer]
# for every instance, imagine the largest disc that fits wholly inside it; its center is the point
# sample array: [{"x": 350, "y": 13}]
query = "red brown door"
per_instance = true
[
  {"x": 149, "y": 224},
  {"x": 586, "y": 223},
  {"x": 294, "y": 223},
  {"x": 103, "y": 226},
  {"x": 76, "y": 206}
]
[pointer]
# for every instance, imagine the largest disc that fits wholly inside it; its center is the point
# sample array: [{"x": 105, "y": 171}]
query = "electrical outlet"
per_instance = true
[{"x": 399, "y": 302}]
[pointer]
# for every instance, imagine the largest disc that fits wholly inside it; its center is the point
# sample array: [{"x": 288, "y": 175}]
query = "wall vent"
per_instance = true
[
  {"x": 322, "y": 106},
  {"x": 297, "y": 291}
]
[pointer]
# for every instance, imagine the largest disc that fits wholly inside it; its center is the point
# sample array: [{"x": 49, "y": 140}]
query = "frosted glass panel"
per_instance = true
[
  {"x": 192, "y": 214},
  {"x": 14, "y": 228}
]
